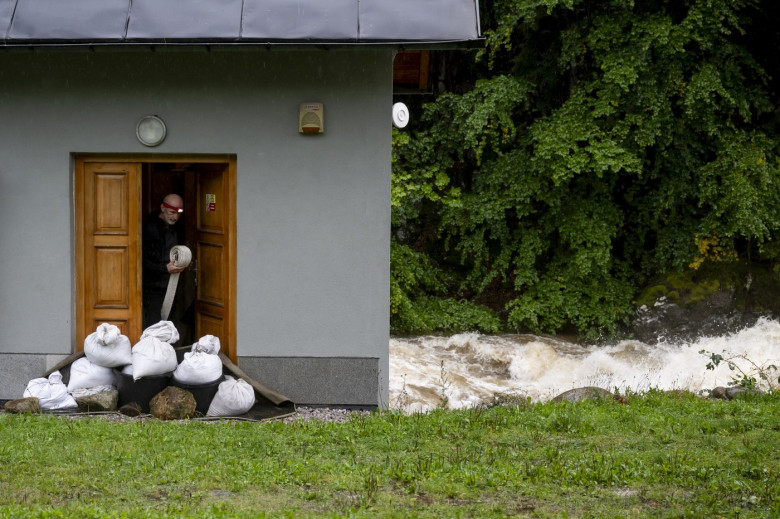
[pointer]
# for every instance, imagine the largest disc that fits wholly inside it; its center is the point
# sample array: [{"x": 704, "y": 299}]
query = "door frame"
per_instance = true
[{"x": 82, "y": 313}]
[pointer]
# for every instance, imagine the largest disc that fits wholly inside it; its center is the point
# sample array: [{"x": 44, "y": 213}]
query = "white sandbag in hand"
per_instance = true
[
  {"x": 207, "y": 344},
  {"x": 164, "y": 331},
  {"x": 51, "y": 392},
  {"x": 108, "y": 347},
  {"x": 85, "y": 373},
  {"x": 151, "y": 356},
  {"x": 234, "y": 397},
  {"x": 198, "y": 367}
]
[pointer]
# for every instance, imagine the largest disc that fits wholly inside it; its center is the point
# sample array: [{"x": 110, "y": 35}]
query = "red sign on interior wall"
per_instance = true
[{"x": 211, "y": 203}]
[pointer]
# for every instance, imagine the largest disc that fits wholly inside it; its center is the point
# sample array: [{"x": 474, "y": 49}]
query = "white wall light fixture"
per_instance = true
[{"x": 150, "y": 131}]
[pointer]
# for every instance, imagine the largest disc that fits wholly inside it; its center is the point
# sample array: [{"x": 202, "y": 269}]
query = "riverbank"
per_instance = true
[{"x": 652, "y": 455}]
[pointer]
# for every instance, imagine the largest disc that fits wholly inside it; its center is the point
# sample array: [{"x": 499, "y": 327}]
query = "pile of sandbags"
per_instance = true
[
  {"x": 104, "y": 349},
  {"x": 108, "y": 351}
]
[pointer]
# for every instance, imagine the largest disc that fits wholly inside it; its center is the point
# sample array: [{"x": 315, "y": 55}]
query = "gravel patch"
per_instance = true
[
  {"x": 324, "y": 414},
  {"x": 302, "y": 414}
]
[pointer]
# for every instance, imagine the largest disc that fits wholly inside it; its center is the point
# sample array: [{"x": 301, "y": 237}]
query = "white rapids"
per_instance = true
[{"x": 467, "y": 369}]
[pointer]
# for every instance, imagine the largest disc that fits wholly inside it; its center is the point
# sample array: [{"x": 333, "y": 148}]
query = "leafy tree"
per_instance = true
[{"x": 603, "y": 142}]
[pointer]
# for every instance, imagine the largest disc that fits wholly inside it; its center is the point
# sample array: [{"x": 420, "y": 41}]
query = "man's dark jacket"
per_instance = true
[{"x": 159, "y": 238}]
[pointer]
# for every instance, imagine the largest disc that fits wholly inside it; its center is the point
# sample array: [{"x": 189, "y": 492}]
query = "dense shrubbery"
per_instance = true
[{"x": 600, "y": 144}]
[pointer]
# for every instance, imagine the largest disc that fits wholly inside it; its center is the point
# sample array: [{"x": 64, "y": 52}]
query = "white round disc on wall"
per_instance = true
[{"x": 400, "y": 115}]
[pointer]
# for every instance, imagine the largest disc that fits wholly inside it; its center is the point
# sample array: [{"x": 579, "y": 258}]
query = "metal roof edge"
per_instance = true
[{"x": 152, "y": 45}]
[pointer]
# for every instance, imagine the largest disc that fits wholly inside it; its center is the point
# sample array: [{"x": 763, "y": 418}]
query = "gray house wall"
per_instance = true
[{"x": 313, "y": 211}]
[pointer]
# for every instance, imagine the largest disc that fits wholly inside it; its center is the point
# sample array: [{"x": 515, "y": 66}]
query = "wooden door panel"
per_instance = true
[
  {"x": 121, "y": 324},
  {"x": 108, "y": 281},
  {"x": 111, "y": 200},
  {"x": 210, "y": 324},
  {"x": 215, "y": 237},
  {"x": 210, "y": 275}
]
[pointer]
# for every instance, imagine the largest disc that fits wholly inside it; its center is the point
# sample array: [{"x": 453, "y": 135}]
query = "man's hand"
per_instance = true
[{"x": 173, "y": 269}]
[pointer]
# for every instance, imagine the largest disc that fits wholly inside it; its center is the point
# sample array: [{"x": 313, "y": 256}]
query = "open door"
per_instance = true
[
  {"x": 108, "y": 280},
  {"x": 215, "y": 241},
  {"x": 112, "y": 195}
]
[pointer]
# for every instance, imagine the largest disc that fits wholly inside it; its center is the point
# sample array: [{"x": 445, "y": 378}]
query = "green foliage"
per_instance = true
[
  {"x": 610, "y": 142},
  {"x": 745, "y": 370},
  {"x": 417, "y": 287},
  {"x": 420, "y": 313}
]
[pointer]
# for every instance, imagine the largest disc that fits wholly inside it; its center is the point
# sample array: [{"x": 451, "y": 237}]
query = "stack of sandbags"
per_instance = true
[
  {"x": 202, "y": 364},
  {"x": 234, "y": 397},
  {"x": 153, "y": 354},
  {"x": 51, "y": 392}
]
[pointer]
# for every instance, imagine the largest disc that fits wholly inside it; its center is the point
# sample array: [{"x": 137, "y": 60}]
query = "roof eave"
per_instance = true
[{"x": 243, "y": 44}]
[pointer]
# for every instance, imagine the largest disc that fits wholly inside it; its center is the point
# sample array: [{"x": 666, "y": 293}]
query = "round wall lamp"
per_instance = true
[
  {"x": 150, "y": 130},
  {"x": 400, "y": 115}
]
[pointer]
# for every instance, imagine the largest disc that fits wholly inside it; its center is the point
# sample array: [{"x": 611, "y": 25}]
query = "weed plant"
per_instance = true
[{"x": 650, "y": 455}]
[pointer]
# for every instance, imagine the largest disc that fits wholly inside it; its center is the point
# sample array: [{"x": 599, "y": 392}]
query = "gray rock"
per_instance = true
[
  {"x": 23, "y": 405},
  {"x": 102, "y": 401},
  {"x": 730, "y": 393},
  {"x": 173, "y": 403},
  {"x": 739, "y": 392},
  {"x": 584, "y": 393}
]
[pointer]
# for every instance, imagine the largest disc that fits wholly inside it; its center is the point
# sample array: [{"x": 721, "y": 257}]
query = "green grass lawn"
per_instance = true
[{"x": 653, "y": 455}]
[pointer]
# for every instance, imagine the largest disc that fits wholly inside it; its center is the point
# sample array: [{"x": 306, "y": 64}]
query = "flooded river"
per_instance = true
[{"x": 468, "y": 369}]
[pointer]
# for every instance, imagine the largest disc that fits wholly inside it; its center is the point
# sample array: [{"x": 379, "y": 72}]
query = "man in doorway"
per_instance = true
[{"x": 160, "y": 234}]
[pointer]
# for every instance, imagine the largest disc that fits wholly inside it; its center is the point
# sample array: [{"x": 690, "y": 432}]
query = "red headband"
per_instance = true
[{"x": 169, "y": 206}]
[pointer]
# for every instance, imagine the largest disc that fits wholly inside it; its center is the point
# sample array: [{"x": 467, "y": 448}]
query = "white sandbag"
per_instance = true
[
  {"x": 108, "y": 347},
  {"x": 85, "y": 373},
  {"x": 128, "y": 370},
  {"x": 207, "y": 344},
  {"x": 164, "y": 331},
  {"x": 51, "y": 392},
  {"x": 151, "y": 356},
  {"x": 198, "y": 367},
  {"x": 234, "y": 397}
]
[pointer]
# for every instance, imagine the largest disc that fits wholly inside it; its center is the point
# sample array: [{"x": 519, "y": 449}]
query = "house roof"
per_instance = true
[{"x": 426, "y": 23}]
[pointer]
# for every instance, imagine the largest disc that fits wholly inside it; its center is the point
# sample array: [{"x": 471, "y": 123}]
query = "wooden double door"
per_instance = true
[{"x": 112, "y": 196}]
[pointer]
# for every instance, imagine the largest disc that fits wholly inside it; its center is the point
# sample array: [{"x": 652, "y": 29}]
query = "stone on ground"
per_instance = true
[
  {"x": 173, "y": 403},
  {"x": 131, "y": 409},
  {"x": 23, "y": 405},
  {"x": 99, "y": 402}
]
